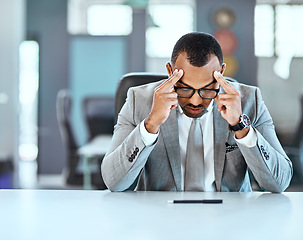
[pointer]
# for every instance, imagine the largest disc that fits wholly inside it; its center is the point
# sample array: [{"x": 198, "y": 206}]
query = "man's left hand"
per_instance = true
[{"x": 229, "y": 103}]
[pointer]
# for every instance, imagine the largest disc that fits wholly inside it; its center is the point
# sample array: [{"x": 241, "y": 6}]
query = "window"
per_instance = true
[
  {"x": 99, "y": 17},
  {"x": 163, "y": 32},
  {"x": 288, "y": 29},
  {"x": 28, "y": 100},
  {"x": 109, "y": 20},
  {"x": 264, "y": 30},
  {"x": 278, "y": 30}
]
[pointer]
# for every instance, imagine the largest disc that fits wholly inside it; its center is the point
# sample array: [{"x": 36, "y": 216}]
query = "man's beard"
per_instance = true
[{"x": 200, "y": 106}]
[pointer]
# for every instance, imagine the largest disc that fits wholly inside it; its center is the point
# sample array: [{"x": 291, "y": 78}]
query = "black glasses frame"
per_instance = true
[{"x": 198, "y": 90}]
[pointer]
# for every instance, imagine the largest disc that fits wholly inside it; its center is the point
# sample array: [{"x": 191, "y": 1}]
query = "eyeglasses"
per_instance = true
[{"x": 188, "y": 92}]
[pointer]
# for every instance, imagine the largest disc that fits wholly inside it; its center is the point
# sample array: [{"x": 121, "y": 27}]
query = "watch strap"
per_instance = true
[{"x": 237, "y": 127}]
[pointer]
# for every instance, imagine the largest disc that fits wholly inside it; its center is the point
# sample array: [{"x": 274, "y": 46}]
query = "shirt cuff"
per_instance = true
[
  {"x": 148, "y": 138},
  {"x": 250, "y": 140}
]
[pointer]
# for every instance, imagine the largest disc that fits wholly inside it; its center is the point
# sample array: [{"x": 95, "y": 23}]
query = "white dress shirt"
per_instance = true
[{"x": 207, "y": 125}]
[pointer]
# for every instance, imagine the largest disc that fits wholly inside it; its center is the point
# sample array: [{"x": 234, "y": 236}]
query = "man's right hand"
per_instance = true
[{"x": 165, "y": 99}]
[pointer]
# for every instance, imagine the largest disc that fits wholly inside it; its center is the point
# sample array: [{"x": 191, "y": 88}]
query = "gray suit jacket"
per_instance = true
[{"x": 129, "y": 164}]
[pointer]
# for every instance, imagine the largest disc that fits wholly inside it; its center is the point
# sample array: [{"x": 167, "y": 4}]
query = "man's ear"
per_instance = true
[
  {"x": 223, "y": 68},
  {"x": 169, "y": 69}
]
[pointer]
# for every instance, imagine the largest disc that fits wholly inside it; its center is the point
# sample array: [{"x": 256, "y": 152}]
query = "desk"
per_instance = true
[
  {"x": 81, "y": 214},
  {"x": 92, "y": 150}
]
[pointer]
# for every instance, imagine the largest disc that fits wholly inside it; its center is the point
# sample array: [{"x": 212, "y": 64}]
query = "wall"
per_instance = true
[
  {"x": 12, "y": 34},
  {"x": 96, "y": 65},
  {"x": 47, "y": 24},
  {"x": 243, "y": 28}
]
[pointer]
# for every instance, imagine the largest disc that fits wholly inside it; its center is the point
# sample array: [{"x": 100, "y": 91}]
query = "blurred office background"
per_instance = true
[{"x": 85, "y": 46}]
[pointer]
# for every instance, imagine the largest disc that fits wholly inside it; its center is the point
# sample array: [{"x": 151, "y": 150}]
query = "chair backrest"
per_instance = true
[
  {"x": 99, "y": 115},
  {"x": 132, "y": 80},
  {"x": 63, "y": 107}
]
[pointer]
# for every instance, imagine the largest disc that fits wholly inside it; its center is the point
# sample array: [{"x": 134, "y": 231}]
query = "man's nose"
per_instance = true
[{"x": 195, "y": 99}]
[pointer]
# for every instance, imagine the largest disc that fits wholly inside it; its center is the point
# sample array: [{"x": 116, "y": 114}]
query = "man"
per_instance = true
[{"x": 152, "y": 145}]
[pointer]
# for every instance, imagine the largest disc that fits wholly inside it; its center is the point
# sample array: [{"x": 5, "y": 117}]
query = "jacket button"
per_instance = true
[
  {"x": 130, "y": 159},
  {"x": 266, "y": 156},
  {"x": 137, "y": 149}
]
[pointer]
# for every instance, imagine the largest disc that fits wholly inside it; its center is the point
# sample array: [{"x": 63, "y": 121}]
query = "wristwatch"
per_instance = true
[{"x": 244, "y": 123}]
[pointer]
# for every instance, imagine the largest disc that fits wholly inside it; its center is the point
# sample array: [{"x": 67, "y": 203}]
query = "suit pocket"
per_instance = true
[
  {"x": 234, "y": 171},
  {"x": 234, "y": 161},
  {"x": 233, "y": 154}
]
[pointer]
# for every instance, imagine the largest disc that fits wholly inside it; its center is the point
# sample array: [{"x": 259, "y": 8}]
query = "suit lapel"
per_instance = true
[
  {"x": 221, "y": 133},
  {"x": 170, "y": 135}
]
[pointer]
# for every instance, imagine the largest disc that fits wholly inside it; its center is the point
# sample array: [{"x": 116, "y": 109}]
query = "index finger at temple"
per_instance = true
[
  {"x": 171, "y": 81},
  {"x": 227, "y": 87}
]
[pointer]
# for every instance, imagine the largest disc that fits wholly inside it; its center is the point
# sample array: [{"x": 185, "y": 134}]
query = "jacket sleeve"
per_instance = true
[
  {"x": 267, "y": 160},
  {"x": 128, "y": 154}
]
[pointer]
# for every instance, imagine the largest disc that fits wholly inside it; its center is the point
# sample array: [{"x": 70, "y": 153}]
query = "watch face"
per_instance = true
[
  {"x": 245, "y": 120},
  {"x": 244, "y": 123}
]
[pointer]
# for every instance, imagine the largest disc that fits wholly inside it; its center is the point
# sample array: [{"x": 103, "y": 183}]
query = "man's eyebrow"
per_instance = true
[{"x": 180, "y": 81}]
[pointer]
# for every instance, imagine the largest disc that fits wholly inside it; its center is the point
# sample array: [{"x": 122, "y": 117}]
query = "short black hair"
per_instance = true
[{"x": 198, "y": 47}]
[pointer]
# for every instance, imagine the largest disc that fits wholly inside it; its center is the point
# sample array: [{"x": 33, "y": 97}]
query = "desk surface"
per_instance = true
[{"x": 59, "y": 214}]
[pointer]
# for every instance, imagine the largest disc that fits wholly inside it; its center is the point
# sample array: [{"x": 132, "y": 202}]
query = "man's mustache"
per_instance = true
[{"x": 194, "y": 106}]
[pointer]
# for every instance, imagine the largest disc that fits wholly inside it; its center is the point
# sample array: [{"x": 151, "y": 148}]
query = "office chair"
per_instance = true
[
  {"x": 131, "y": 80},
  {"x": 63, "y": 107},
  {"x": 73, "y": 177},
  {"x": 99, "y": 115},
  {"x": 295, "y": 150},
  {"x": 99, "y": 118}
]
